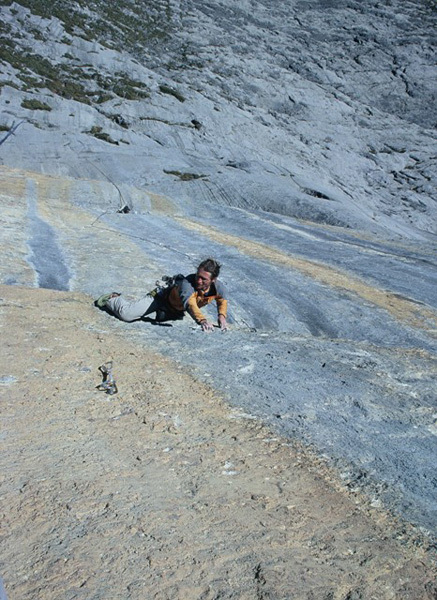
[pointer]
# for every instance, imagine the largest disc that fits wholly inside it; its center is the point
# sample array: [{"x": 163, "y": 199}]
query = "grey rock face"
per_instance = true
[
  {"x": 322, "y": 111},
  {"x": 45, "y": 256},
  {"x": 293, "y": 140}
]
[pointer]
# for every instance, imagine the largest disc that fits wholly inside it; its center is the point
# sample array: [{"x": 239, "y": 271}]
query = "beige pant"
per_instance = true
[{"x": 132, "y": 310}]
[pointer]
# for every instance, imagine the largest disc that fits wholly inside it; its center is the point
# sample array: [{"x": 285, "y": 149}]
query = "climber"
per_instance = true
[{"x": 185, "y": 294}]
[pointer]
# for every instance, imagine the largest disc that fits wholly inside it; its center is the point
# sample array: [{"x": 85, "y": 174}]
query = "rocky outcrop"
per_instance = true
[
  {"x": 162, "y": 490},
  {"x": 319, "y": 111},
  {"x": 296, "y": 144}
]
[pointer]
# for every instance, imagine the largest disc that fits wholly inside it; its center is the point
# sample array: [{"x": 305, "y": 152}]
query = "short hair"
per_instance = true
[{"x": 211, "y": 266}]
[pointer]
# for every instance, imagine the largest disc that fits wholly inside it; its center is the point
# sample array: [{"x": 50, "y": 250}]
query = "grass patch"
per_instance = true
[
  {"x": 129, "y": 89},
  {"x": 166, "y": 89},
  {"x": 118, "y": 119},
  {"x": 35, "y": 105},
  {"x": 101, "y": 98},
  {"x": 68, "y": 81},
  {"x": 126, "y": 23},
  {"x": 132, "y": 24},
  {"x": 30, "y": 82},
  {"x": 57, "y": 78},
  {"x": 185, "y": 176},
  {"x": 98, "y": 133},
  {"x": 9, "y": 84},
  {"x": 70, "y": 89}
]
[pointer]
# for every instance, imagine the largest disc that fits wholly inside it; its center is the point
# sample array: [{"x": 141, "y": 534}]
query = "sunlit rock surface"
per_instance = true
[{"x": 295, "y": 141}]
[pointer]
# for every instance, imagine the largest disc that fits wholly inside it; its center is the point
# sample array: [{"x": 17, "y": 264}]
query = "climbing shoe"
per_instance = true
[{"x": 101, "y": 302}]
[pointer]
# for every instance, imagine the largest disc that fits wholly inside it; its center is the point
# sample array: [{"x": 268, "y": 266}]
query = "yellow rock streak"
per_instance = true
[{"x": 401, "y": 308}]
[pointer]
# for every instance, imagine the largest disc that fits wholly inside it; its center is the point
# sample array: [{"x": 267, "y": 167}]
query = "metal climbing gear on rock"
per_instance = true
[
  {"x": 165, "y": 284},
  {"x": 108, "y": 384}
]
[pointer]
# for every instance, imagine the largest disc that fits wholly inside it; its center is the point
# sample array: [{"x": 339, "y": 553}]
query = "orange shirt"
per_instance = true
[{"x": 184, "y": 297}]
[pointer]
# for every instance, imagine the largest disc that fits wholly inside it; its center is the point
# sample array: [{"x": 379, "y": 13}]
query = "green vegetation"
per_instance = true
[
  {"x": 185, "y": 176},
  {"x": 35, "y": 105},
  {"x": 37, "y": 34},
  {"x": 69, "y": 81},
  {"x": 124, "y": 23},
  {"x": 184, "y": 59},
  {"x": 166, "y": 89},
  {"x": 30, "y": 82},
  {"x": 69, "y": 88},
  {"x": 101, "y": 135},
  {"x": 10, "y": 84},
  {"x": 101, "y": 98},
  {"x": 54, "y": 78},
  {"x": 118, "y": 119},
  {"x": 129, "y": 88}
]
